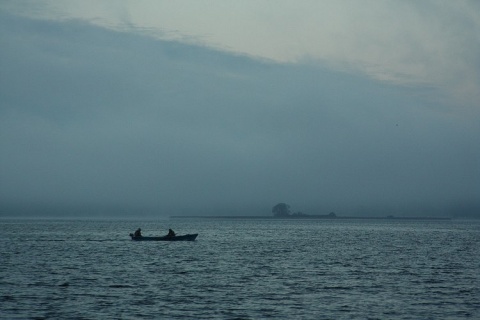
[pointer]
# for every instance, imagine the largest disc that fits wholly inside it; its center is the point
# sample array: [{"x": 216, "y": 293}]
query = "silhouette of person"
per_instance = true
[
  {"x": 138, "y": 233},
  {"x": 171, "y": 233}
]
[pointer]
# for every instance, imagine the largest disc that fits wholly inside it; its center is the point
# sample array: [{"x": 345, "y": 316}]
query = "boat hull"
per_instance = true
[{"x": 186, "y": 237}]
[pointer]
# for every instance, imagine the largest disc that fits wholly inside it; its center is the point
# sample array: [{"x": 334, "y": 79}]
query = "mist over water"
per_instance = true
[{"x": 117, "y": 121}]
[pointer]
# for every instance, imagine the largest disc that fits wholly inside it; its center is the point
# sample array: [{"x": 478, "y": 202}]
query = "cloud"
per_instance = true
[
  {"x": 92, "y": 115},
  {"x": 428, "y": 43}
]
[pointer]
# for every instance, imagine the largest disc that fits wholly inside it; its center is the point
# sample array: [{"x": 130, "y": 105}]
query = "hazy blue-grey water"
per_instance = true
[{"x": 241, "y": 269}]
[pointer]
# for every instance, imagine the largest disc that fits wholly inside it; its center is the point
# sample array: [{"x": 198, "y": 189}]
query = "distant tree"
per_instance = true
[{"x": 281, "y": 210}]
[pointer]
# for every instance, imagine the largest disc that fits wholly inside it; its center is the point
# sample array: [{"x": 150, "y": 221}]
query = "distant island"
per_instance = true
[{"x": 282, "y": 211}]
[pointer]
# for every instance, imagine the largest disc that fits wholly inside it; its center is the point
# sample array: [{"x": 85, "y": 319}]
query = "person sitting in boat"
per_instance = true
[
  {"x": 171, "y": 233},
  {"x": 138, "y": 233}
]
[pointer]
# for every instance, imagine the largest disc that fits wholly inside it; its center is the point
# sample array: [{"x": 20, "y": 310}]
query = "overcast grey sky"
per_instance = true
[{"x": 228, "y": 106}]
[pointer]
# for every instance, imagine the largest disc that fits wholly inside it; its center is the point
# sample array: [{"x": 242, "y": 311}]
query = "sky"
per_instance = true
[{"x": 230, "y": 107}]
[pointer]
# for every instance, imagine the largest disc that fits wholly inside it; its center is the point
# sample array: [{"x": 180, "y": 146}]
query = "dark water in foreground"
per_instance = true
[{"x": 241, "y": 269}]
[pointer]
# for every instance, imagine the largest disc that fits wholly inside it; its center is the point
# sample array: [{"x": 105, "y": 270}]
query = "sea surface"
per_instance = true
[{"x": 240, "y": 269}]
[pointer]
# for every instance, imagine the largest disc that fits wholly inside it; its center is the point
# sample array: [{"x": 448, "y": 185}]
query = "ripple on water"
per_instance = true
[{"x": 241, "y": 269}]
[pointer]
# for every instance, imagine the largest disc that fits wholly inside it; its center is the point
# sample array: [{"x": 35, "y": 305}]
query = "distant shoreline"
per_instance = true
[{"x": 308, "y": 217}]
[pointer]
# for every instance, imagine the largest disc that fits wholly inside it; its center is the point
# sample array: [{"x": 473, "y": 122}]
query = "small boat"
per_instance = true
[{"x": 186, "y": 237}]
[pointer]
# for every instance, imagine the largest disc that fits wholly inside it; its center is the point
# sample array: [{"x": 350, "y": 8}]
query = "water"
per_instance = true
[{"x": 241, "y": 269}]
